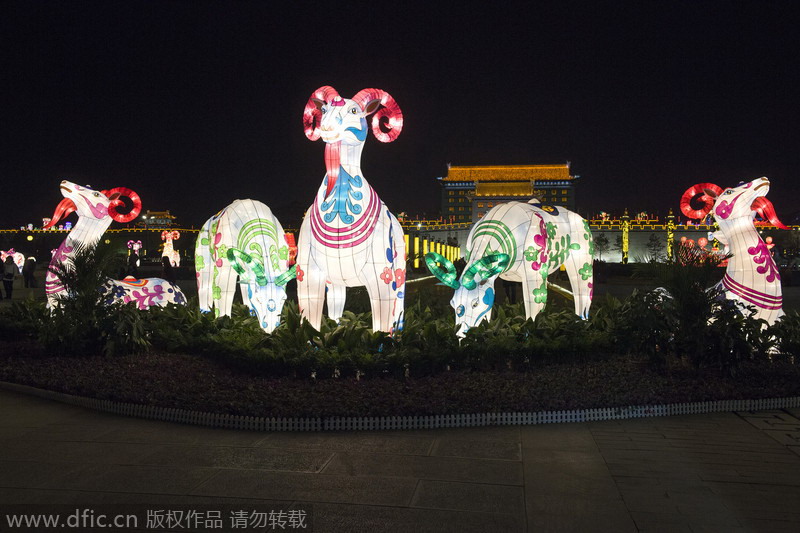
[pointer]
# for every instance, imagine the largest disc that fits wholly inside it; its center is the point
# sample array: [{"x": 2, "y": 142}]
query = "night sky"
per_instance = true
[{"x": 195, "y": 104}]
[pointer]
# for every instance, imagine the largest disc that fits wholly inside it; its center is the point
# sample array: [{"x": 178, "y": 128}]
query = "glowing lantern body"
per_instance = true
[
  {"x": 348, "y": 237},
  {"x": 244, "y": 240},
  {"x": 169, "y": 250},
  {"x": 519, "y": 242},
  {"x": 751, "y": 277},
  {"x": 96, "y": 210}
]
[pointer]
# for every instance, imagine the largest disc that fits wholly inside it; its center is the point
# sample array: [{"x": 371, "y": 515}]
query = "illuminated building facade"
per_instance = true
[{"x": 468, "y": 192}]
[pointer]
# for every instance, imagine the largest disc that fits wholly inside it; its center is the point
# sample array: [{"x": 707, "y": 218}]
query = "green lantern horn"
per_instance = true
[
  {"x": 485, "y": 267},
  {"x": 241, "y": 262},
  {"x": 443, "y": 269},
  {"x": 287, "y": 276}
]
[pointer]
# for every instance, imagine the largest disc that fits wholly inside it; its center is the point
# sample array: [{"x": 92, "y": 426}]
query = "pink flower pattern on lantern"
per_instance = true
[
  {"x": 764, "y": 258},
  {"x": 400, "y": 276},
  {"x": 387, "y": 275},
  {"x": 540, "y": 240}
]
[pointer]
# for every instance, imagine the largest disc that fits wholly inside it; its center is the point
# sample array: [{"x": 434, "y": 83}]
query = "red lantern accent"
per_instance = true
[
  {"x": 117, "y": 202},
  {"x": 698, "y": 192}
]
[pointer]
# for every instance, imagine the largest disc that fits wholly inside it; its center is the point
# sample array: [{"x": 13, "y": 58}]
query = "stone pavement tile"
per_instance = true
[
  {"x": 308, "y": 487},
  {"x": 785, "y": 437},
  {"x": 61, "y": 497},
  {"x": 661, "y": 521},
  {"x": 600, "y": 516},
  {"x": 396, "y": 443},
  {"x": 504, "y": 433},
  {"x": 580, "y": 486},
  {"x": 33, "y": 474},
  {"x": 794, "y": 449},
  {"x": 649, "y": 501},
  {"x": 782, "y": 421},
  {"x": 379, "y": 519},
  {"x": 75, "y": 452},
  {"x": 419, "y": 467},
  {"x": 67, "y": 432},
  {"x": 478, "y": 449},
  {"x": 768, "y": 523},
  {"x": 237, "y": 457},
  {"x": 127, "y": 478},
  {"x": 557, "y": 437},
  {"x": 13, "y": 432},
  {"x": 166, "y": 433},
  {"x": 477, "y": 497}
]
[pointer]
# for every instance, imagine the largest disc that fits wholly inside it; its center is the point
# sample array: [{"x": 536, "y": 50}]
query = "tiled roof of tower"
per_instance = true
[{"x": 508, "y": 173}]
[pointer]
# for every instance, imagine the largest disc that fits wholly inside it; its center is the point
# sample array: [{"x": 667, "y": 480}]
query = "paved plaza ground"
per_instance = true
[{"x": 722, "y": 472}]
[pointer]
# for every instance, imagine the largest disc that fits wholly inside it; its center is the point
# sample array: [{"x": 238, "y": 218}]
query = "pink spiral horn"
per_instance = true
[
  {"x": 312, "y": 116},
  {"x": 389, "y": 116}
]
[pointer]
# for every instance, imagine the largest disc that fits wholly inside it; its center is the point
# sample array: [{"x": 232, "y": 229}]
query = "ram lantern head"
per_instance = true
[
  {"x": 94, "y": 204},
  {"x": 266, "y": 296},
  {"x": 744, "y": 200},
  {"x": 474, "y": 293}
]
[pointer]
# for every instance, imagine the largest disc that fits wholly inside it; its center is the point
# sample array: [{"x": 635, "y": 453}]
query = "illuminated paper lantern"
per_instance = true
[
  {"x": 170, "y": 252},
  {"x": 751, "y": 277},
  {"x": 348, "y": 237},
  {"x": 517, "y": 242},
  {"x": 96, "y": 210},
  {"x": 244, "y": 240}
]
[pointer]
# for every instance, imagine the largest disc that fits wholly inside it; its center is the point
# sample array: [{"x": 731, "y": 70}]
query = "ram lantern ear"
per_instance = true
[
  {"x": 242, "y": 262},
  {"x": 443, "y": 269},
  {"x": 485, "y": 267},
  {"x": 287, "y": 276}
]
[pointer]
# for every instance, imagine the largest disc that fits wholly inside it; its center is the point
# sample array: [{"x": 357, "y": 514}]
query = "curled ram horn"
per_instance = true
[
  {"x": 485, "y": 267},
  {"x": 116, "y": 195},
  {"x": 701, "y": 192},
  {"x": 443, "y": 269},
  {"x": 242, "y": 262},
  {"x": 390, "y": 116},
  {"x": 287, "y": 276},
  {"x": 312, "y": 115}
]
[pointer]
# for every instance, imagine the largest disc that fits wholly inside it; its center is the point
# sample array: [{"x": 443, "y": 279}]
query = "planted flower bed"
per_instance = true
[{"x": 642, "y": 350}]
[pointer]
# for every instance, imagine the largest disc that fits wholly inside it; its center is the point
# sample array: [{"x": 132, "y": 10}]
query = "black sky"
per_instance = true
[{"x": 195, "y": 104}]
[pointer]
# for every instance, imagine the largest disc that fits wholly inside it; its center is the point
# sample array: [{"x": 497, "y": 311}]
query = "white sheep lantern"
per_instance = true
[
  {"x": 523, "y": 242},
  {"x": 169, "y": 251},
  {"x": 348, "y": 237},
  {"x": 751, "y": 277},
  {"x": 96, "y": 210},
  {"x": 244, "y": 240}
]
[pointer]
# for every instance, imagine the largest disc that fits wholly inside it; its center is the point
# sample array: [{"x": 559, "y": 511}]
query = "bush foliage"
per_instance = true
[{"x": 682, "y": 325}]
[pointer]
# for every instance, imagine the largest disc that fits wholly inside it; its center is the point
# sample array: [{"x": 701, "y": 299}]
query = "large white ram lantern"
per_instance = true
[{"x": 349, "y": 238}]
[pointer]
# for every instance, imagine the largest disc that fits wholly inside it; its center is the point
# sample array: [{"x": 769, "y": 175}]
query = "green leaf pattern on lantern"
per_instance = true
[
  {"x": 560, "y": 248},
  {"x": 199, "y": 262},
  {"x": 540, "y": 294},
  {"x": 586, "y": 271},
  {"x": 588, "y": 237}
]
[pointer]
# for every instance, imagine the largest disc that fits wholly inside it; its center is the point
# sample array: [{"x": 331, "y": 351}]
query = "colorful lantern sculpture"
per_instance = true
[
  {"x": 245, "y": 240},
  {"x": 96, "y": 210},
  {"x": 751, "y": 277},
  {"x": 519, "y": 242},
  {"x": 17, "y": 257},
  {"x": 135, "y": 246},
  {"x": 349, "y": 238},
  {"x": 170, "y": 252}
]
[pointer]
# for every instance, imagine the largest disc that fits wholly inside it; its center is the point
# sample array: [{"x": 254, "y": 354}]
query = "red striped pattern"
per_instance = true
[{"x": 346, "y": 236}]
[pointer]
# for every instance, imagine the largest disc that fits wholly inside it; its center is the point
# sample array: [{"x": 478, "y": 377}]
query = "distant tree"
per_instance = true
[
  {"x": 618, "y": 244},
  {"x": 655, "y": 247},
  {"x": 601, "y": 245}
]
